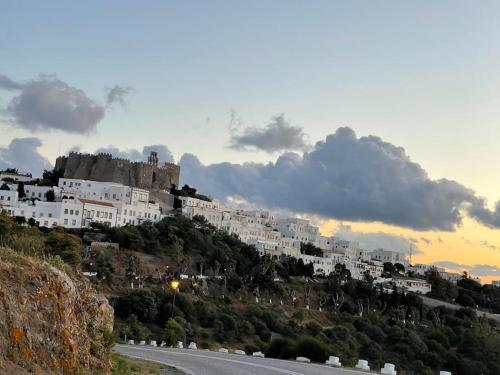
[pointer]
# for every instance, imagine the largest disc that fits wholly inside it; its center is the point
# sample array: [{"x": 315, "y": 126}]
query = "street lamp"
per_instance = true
[{"x": 174, "y": 284}]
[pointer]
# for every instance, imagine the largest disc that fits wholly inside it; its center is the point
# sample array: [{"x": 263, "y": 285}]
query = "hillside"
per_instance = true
[
  {"x": 244, "y": 301},
  {"x": 274, "y": 305},
  {"x": 51, "y": 320}
]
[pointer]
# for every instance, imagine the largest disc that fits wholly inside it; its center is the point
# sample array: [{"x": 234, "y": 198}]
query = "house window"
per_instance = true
[
  {"x": 71, "y": 212},
  {"x": 65, "y": 221},
  {"x": 73, "y": 222},
  {"x": 97, "y": 213},
  {"x": 49, "y": 214},
  {"x": 77, "y": 212},
  {"x": 65, "y": 211}
]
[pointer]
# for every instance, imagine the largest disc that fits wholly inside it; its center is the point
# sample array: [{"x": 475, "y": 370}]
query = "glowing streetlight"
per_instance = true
[{"x": 174, "y": 284}]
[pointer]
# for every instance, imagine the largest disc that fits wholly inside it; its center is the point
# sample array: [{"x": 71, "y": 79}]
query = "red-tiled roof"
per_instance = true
[{"x": 101, "y": 203}]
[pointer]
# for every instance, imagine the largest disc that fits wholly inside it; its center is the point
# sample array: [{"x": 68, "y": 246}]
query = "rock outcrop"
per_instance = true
[{"x": 50, "y": 322}]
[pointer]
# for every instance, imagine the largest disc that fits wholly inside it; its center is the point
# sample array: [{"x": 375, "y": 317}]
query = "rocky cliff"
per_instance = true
[{"x": 50, "y": 322}]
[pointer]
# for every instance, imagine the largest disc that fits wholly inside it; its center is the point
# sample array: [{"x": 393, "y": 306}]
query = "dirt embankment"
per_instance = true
[{"x": 50, "y": 323}]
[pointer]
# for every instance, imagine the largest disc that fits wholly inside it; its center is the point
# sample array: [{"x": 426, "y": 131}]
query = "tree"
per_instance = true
[
  {"x": 51, "y": 178},
  {"x": 398, "y": 267},
  {"x": 4, "y": 187},
  {"x": 310, "y": 249},
  {"x": 67, "y": 246},
  {"x": 20, "y": 190},
  {"x": 50, "y": 196},
  {"x": 6, "y": 225},
  {"x": 389, "y": 268},
  {"x": 172, "y": 332}
]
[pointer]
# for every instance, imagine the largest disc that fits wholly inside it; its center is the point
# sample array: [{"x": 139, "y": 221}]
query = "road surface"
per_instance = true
[{"x": 200, "y": 362}]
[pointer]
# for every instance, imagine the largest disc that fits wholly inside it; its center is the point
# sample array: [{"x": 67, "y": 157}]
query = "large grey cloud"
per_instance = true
[
  {"x": 22, "y": 153},
  {"x": 164, "y": 154},
  {"x": 47, "y": 103},
  {"x": 348, "y": 178},
  {"x": 278, "y": 135}
]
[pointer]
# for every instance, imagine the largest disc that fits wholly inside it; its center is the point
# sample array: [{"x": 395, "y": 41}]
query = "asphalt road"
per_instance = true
[{"x": 200, "y": 362}]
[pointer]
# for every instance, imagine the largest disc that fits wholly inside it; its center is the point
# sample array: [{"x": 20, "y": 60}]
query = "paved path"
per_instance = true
[{"x": 200, "y": 362}]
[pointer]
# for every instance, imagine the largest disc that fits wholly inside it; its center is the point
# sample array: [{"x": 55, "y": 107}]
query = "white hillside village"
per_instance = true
[{"x": 77, "y": 203}]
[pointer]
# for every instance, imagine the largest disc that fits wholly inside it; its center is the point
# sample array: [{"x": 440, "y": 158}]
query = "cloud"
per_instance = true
[
  {"x": 480, "y": 270},
  {"x": 117, "y": 95},
  {"x": 426, "y": 240},
  {"x": 347, "y": 178},
  {"x": 278, "y": 135},
  {"x": 482, "y": 243},
  {"x": 22, "y": 153},
  {"x": 451, "y": 265},
  {"x": 130, "y": 154},
  {"x": 478, "y": 210},
  {"x": 164, "y": 154},
  {"x": 377, "y": 240},
  {"x": 484, "y": 270},
  {"x": 47, "y": 103},
  {"x": 8, "y": 84}
]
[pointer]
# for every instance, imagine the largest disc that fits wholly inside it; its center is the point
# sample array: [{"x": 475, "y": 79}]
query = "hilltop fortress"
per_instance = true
[{"x": 103, "y": 167}]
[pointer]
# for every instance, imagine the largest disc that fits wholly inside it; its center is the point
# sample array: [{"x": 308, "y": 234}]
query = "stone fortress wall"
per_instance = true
[{"x": 104, "y": 167}]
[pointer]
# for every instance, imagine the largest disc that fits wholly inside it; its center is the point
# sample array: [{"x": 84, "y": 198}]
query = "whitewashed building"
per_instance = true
[{"x": 383, "y": 255}]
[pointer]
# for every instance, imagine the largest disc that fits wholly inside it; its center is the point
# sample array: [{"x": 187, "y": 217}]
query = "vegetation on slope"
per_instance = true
[
  {"x": 51, "y": 320},
  {"x": 260, "y": 303}
]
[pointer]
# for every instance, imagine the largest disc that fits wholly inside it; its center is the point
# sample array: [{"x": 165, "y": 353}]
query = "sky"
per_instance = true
[{"x": 399, "y": 95}]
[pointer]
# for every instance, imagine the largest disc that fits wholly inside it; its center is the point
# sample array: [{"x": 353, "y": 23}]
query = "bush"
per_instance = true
[
  {"x": 172, "y": 333},
  {"x": 281, "y": 348},
  {"x": 67, "y": 246},
  {"x": 311, "y": 348}
]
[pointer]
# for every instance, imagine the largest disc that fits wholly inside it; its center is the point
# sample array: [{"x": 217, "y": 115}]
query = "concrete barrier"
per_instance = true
[
  {"x": 363, "y": 365},
  {"x": 223, "y": 350},
  {"x": 333, "y": 361},
  {"x": 130, "y": 342},
  {"x": 192, "y": 345},
  {"x": 258, "y": 354},
  {"x": 444, "y": 373},
  {"x": 180, "y": 345},
  {"x": 303, "y": 359},
  {"x": 388, "y": 369},
  {"x": 239, "y": 352},
  {"x": 142, "y": 342}
]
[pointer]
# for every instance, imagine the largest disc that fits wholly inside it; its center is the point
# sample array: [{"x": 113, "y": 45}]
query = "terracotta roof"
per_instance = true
[{"x": 100, "y": 203}]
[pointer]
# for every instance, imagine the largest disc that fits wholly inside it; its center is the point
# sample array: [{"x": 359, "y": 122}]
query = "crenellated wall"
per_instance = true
[{"x": 106, "y": 168}]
